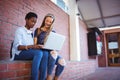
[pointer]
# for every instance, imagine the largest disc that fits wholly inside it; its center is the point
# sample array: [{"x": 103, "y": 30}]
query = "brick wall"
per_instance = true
[
  {"x": 75, "y": 70},
  {"x": 19, "y": 70}
]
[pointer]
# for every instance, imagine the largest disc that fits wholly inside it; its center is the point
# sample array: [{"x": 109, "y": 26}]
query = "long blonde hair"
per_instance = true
[{"x": 43, "y": 24}]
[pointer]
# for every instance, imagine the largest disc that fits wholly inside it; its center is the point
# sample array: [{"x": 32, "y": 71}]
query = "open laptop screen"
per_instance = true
[{"x": 54, "y": 41}]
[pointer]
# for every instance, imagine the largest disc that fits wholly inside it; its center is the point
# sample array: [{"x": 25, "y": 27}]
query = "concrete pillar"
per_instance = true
[{"x": 74, "y": 31}]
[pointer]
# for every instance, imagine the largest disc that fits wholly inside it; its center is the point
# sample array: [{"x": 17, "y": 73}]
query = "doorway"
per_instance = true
[{"x": 113, "y": 49}]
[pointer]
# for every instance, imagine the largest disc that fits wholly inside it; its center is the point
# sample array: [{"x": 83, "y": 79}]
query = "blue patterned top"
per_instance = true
[{"x": 41, "y": 36}]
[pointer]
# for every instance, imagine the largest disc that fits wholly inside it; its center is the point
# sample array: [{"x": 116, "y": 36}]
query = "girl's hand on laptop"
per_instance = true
[
  {"x": 37, "y": 46},
  {"x": 40, "y": 46}
]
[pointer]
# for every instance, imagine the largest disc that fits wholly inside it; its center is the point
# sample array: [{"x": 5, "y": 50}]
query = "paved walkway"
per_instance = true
[{"x": 109, "y": 73}]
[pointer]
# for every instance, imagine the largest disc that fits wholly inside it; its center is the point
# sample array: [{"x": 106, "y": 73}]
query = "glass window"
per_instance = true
[{"x": 62, "y": 4}]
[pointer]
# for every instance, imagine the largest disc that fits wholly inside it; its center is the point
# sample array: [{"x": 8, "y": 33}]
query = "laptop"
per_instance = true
[{"x": 54, "y": 41}]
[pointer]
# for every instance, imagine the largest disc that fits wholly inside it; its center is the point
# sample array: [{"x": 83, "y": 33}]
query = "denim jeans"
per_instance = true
[
  {"x": 39, "y": 62},
  {"x": 51, "y": 62},
  {"x": 43, "y": 64}
]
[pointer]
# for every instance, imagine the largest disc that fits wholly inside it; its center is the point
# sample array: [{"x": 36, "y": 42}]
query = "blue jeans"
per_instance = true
[
  {"x": 43, "y": 65},
  {"x": 51, "y": 62},
  {"x": 39, "y": 62}
]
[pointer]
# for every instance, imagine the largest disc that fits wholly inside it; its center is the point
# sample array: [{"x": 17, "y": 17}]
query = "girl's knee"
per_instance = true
[
  {"x": 54, "y": 54},
  {"x": 38, "y": 53},
  {"x": 62, "y": 62}
]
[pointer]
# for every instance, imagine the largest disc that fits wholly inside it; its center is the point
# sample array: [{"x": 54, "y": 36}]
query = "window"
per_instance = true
[{"x": 62, "y": 4}]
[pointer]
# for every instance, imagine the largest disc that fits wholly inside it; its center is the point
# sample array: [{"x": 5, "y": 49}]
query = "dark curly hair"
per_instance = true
[{"x": 30, "y": 15}]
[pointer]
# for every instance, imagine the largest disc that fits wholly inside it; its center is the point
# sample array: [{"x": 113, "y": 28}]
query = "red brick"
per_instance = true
[
  {"x": 23, "y": 72},
  {"x": 4, "y": 56},
  {"x": 27, "y": 78},
  {"x": 28, "y": 65},
  {"x": 18, "y": 78},
  {"x": 21, "y": 78},
  {"x": 3, "y": 67},
  {"x": 7, "y": 74},
  {"x": 16, "y": 66}
]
